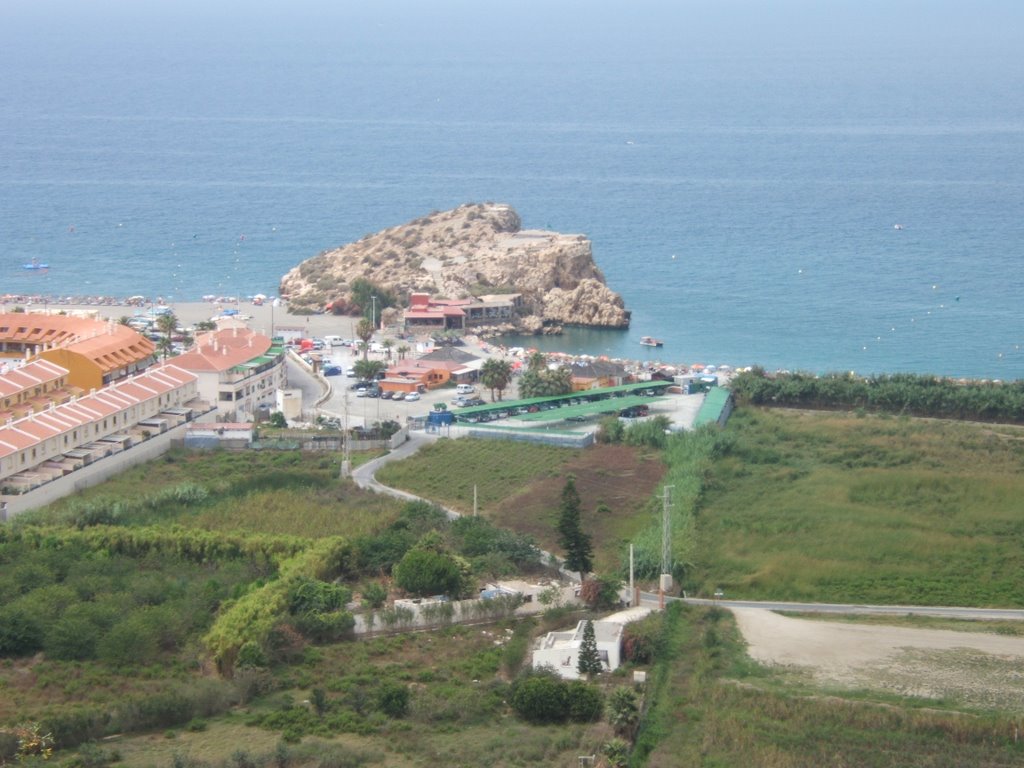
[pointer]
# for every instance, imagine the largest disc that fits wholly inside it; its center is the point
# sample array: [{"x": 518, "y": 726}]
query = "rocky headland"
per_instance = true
[{"x": 474, "y": 250}]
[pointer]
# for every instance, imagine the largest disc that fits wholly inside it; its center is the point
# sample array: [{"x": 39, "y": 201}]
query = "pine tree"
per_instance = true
[
  {"x": 578, "y": 555},
  {"x": 588, "y": 663}
]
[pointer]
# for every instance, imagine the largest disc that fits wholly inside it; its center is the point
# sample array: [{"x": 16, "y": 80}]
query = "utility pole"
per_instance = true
[
  {"x": 632, "y": 590},
  {"x": 665, "y": 583},
  {"x": 373, "y": 312},
  {"x": 346, "y": 455}
]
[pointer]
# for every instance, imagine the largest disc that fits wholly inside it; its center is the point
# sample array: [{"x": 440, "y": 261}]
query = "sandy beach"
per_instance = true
[
  {"x": 266, "y": 318},
  {"x": 260, "y": 317}
]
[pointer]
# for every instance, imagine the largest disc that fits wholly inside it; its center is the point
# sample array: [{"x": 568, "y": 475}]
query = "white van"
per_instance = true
[
  {"x": 465, "y": 389},
  {"x": 334, "y": 341}
]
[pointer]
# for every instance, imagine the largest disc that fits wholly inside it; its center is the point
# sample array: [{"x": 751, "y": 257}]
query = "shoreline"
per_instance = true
[{"x": 264, "y": 317}]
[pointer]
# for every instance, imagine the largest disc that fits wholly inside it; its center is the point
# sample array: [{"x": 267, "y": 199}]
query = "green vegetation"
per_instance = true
[
  {"x": 540, "y": 381},
  {"x": 496, "y": 375},
  {"x": 519, "y": 487},
  {"x": 875, "y": 510},
  {"x": 447, "y": 471},
  {"x": 367, "y": 297},
  {"x": 904, "y": 393},
  {"x": 135, "y": 591},
  {"x": 274, "y": 492},
  {"x": 574, "y": 542}
]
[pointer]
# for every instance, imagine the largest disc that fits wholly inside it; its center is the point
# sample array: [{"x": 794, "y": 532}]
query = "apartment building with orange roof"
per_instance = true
[
  {"x": 32, "y": 387},
  {"x": 63, "y": 438},
  {"x": 237, "y": 369},
  {"x": 94, "y": 352}
]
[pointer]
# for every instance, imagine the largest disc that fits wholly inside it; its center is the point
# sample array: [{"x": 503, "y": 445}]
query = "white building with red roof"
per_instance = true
[{"x": 237, "y": 369}]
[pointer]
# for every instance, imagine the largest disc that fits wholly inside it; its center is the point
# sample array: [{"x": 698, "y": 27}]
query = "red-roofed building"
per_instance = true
[
  {"x": 32, "y": 387},
  {"x": 238, "y": 369},
  {"x": 94, "y": 352},
  {"x": 426, "y": 314},
  {"x": 51, "y": 443}
]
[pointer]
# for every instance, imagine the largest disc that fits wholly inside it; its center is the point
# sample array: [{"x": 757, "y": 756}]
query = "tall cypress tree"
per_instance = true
[
  {"x": 578, "y": 554},
  {"x": 588, "y": 662}
]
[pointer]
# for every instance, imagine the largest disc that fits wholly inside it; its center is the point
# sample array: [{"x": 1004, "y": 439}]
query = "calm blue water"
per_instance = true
[{"x": 739, "y": 169}]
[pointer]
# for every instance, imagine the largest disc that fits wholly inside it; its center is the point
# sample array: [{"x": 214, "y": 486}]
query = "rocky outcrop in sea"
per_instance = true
[{"x": 474, "y": 250}]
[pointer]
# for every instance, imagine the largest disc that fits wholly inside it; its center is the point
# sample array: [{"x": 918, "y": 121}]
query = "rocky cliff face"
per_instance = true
[{"x": 473, "y": 250}]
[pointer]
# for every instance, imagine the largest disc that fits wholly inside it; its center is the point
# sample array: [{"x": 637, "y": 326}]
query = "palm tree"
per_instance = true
[
  {"x": 367, "y": 370},
  {"x": 388, "y": 344},
  {"x": 166, "y": 324},
  {"x": 403, "y": 350},
  {"x": 496, "y": 374},
  {"x": 364, "y": 330}
]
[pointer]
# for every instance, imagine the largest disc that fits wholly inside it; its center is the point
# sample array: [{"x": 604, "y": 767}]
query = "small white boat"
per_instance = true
[{"x": 650, "y": 341}]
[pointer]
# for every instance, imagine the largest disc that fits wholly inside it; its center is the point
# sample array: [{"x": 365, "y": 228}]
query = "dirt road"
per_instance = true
[{"x": 973, "y": 668}]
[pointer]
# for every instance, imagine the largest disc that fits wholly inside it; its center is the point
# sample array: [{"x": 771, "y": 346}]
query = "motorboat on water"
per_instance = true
[
  {"x": 34, "y": 264},
  {"x": 650, "y": 341}
]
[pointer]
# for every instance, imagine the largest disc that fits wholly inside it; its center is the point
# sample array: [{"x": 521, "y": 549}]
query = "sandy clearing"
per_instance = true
[{"x": 973, "y": 668}]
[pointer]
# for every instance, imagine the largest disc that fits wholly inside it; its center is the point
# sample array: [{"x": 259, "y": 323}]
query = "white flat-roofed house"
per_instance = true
[{"x": 561, "y": 650}]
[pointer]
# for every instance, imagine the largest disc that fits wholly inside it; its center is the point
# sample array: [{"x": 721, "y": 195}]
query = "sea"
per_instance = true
[{"x": 794, "y": 184}]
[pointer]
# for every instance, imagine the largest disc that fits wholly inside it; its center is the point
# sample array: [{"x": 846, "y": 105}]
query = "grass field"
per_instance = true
[
  {"x": 838, "y": 508},
  {"x": 519, "y": 487},
  {"x": 253, "y": 492}
]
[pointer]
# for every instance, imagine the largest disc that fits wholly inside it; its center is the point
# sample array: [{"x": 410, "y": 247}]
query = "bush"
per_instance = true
[
  {"x": 393, "y": 699},
  {"x": 585, "y": 702},
  {"x": 72, "y": 639},
  {"x": 313, "y": 596},
  {"x": 251, "y": 655},
  {"x": 600, "y": 593},
  {"x": 425, "y": 572},
  {"x": 21, "y": 633},
  {"x": 641, "y": 639},
  {"x": 541, "y": 699},
  {"x": 325, "y": 627},
  {"x": 374, "y": 594}
]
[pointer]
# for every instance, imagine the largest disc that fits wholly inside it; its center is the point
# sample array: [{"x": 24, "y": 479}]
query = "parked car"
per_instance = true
[
  {"x": 387, "y": 394},
  {"x": 412, "y": 396},
  {"x": 634, "y": 412},
  {"x": 472, "y": 401},
  {"x": 332, "y": 370},
  {"x": 465, "y": 389}
]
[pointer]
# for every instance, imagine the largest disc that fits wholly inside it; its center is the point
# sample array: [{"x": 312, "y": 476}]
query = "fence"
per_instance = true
[
  {"x": 561, "y": 439},
  {"x": 436, "y": 614}
]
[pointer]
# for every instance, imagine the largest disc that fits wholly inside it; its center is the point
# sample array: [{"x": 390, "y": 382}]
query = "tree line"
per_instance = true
[{"x": 901, "y": 393}]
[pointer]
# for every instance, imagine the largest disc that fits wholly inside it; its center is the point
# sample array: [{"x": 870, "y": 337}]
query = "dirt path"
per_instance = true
[{"x": 972, "y": 668}]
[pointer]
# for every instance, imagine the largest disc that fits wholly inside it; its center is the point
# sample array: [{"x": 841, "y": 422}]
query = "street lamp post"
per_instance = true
[{"x": 373, "y": 312}]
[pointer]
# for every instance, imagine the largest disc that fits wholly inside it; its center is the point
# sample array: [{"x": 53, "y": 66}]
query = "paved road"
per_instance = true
[{"x": 1005, "y": 614}]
